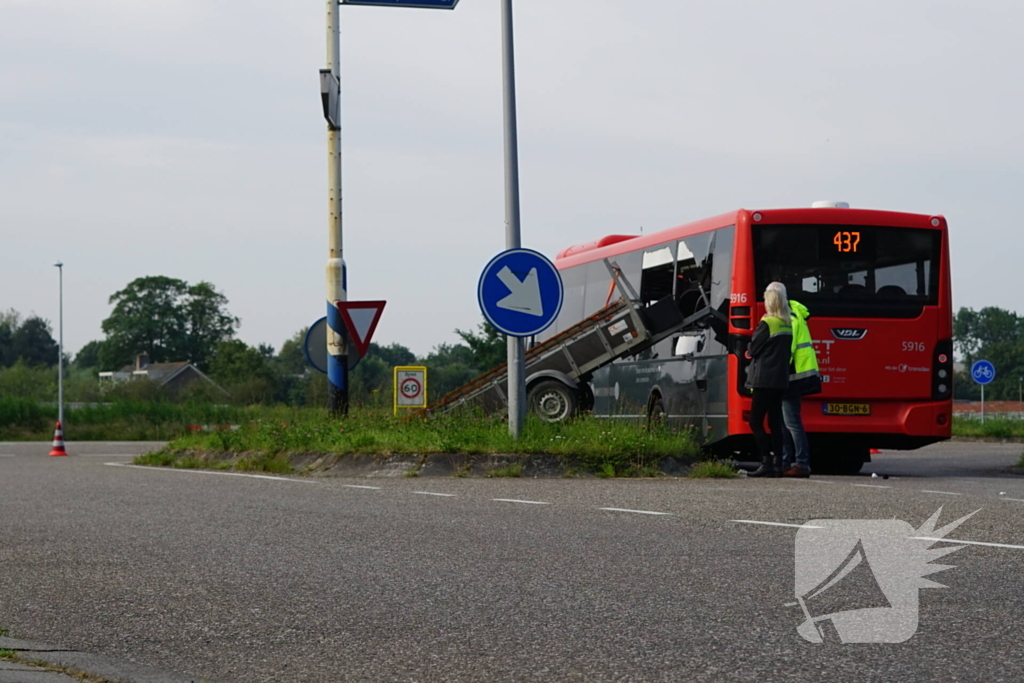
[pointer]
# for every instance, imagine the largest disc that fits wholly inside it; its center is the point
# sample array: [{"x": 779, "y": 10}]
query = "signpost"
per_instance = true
[
  {"x": 983, "y": 373},
  {"x": 520, "y": 293},
  {"x": 410, "y": 387},
  {"x": 337, "y": 276}
]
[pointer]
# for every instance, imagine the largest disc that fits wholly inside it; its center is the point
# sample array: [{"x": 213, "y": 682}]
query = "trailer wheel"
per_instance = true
[{"x": 553, "y": 401}]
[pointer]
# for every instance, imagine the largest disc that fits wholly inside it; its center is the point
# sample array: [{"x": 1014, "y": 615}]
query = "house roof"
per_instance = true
[{"x": 158, "y": 372}]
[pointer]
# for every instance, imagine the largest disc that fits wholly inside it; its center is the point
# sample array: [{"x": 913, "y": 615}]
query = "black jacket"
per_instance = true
[{"x": 770, "y": 353}]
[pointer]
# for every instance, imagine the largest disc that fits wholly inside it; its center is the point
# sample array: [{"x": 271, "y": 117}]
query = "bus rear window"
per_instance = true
[{"x": 851, "y": 271}]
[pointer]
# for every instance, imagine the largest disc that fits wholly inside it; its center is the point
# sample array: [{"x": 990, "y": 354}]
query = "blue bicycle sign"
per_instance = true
[{"x": 983, "y": 372}]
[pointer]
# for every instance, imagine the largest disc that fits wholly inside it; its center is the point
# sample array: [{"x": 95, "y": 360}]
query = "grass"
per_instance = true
[
  {"x": 511, "y": 470},
  {"x": 7, "y": 654},
  {"x": 1021, "y": 463},
  {"x": 993, "y": 427},
  {"x": 25, "y": 420},
  {"x": 713, "y": 469},
  {"x": 610, "y": 448}
]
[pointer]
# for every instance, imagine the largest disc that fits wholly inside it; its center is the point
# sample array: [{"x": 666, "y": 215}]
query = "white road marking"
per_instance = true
[
  {"x": 357, "y": 486},
  {"x": 513, "y": 500},
  {"x": 796, "y": 526},
  {"x": 431, "y": 493},
  {"x": 953, "y": 540},
  {"x": 915, "y": 538},
  {"x": 873, "y": 486},
  {"x": 639, "y": 512},
  {"x": 223, "y": 474},
  {"x": 945, "y": 493}
]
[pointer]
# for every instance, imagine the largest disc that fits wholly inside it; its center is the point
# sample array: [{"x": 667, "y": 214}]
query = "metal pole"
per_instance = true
[
  {"x": 982, "y": 404},
  {"x": 513, "y": 239},
  {"x": 337, "y": 345},
  {"x": 60, "y": 347}
]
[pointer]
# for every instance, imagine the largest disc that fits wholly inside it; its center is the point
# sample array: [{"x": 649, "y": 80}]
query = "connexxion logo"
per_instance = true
[{"x": 848, "y": 333}]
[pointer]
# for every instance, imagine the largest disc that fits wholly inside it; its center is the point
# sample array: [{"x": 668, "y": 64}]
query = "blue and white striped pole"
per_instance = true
[{"x": 337, "y": 287}]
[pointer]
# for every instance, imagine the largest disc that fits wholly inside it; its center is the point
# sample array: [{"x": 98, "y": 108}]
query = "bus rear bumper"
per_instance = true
[{"x": 889, "y": 424}]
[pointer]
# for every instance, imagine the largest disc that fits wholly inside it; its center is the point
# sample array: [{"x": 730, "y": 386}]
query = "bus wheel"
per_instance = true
[
  {"x": 656, "y": 414},
  {"x": 553, "y": 401}
]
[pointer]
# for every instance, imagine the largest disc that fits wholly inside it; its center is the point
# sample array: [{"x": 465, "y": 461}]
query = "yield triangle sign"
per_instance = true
[{"x": 360, "y": 318}]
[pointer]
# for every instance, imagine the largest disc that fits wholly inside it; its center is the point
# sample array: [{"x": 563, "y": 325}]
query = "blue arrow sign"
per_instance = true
[
  {"x": 520, "y": 292},
  {"x": 426, "y": 4},
  {"x": 983, "y": 372}
]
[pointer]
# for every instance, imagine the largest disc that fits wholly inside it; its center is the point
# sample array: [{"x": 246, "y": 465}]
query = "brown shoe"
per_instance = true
[{"x": 797, "y": 471}]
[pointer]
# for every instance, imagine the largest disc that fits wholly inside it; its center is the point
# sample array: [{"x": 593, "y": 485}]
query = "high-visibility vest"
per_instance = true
[
  {"x": 805, "y": 362},
  {"x": 777, "y": 326}
]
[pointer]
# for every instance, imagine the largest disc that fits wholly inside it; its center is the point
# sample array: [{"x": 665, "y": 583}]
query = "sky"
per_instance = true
[{"x": 186, "y": 138}]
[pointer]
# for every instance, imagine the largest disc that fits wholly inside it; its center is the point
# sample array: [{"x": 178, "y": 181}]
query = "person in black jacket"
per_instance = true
[{"x": 770, "y": 352}]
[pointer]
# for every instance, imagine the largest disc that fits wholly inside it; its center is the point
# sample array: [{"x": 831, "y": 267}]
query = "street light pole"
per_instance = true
[
  {"x": 60, "y": 347},
  {"x": 513, "y": 238},
  {"x": 337, "y": 343}
]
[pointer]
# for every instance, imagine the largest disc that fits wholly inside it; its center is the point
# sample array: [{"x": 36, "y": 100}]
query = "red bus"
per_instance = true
[{"x": 877, "y": 285}]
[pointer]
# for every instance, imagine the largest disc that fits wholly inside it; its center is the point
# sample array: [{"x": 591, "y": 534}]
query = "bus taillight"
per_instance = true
[{"x": 942, "y": 370}]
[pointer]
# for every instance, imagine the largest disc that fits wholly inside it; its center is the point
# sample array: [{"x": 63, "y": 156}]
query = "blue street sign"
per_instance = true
[
  {"x": 426, "y": 4},
  {"x": 314, "y": 346},
  {"x": 983, "y": 372},
  {"x": 520, "y": 292}
]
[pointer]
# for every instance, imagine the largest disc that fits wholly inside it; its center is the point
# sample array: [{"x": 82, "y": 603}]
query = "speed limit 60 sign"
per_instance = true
[{"x": 410, "y": 387}]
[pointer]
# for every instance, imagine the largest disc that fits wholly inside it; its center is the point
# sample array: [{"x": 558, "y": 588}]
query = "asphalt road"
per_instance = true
[{"x": 239, "y": 578}]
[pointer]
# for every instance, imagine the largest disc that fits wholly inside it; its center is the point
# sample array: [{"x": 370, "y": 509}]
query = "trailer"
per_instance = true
[{"x": 558, "y": 369}]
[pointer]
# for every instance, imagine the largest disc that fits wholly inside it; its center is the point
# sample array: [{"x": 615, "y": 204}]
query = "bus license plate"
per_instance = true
[{"x": 846, "y": 408}]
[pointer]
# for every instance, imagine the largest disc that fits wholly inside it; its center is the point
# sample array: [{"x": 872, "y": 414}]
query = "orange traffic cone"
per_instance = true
[{"x": 58, "y": 441}]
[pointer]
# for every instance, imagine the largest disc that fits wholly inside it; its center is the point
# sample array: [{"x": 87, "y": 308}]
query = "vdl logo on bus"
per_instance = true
[{"x": 848, "y": 333}]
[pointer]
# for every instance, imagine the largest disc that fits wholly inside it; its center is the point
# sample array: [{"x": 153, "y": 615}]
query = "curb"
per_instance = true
[{"x": 31, "y": 653}]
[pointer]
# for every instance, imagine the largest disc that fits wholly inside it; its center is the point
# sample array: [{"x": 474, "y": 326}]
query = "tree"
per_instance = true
[
  {"x": 207, "y": 323},
  {"x": 89, "y": 355},
  {"x": 168, "y": 319},
  {"x": 34, "y": 343},
  {"x": 25, "y": 381},
  {"x": 975, "y": 330},
  {"x": 489, "y": 346},
  {"x": 244, "y": 372},
  {"x": 449, "y": 367},
  {"x": 10, "y": 321},
  {"x": 996, "y": 335},
  {"x": 291, "y": 360}
]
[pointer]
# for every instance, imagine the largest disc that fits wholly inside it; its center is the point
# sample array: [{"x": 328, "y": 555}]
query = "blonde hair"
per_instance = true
[{"x": 776, "y": 304}]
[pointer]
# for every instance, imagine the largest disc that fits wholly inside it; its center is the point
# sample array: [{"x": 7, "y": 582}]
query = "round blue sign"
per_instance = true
[
  {"x": 520, "y": 292},
  {"x": 983, "y": 372}
]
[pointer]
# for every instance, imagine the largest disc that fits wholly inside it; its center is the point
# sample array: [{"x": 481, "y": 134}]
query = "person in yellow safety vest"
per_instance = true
[{"x": 804, "y": 380}]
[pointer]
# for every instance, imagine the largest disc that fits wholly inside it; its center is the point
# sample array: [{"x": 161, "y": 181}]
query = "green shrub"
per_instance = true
[
  {"x": 994, "y": 426},
  {"x": 713, "y": 469}
]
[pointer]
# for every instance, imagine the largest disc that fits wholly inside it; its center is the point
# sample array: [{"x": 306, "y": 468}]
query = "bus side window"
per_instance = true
[{"x": 657, "y": 269}]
